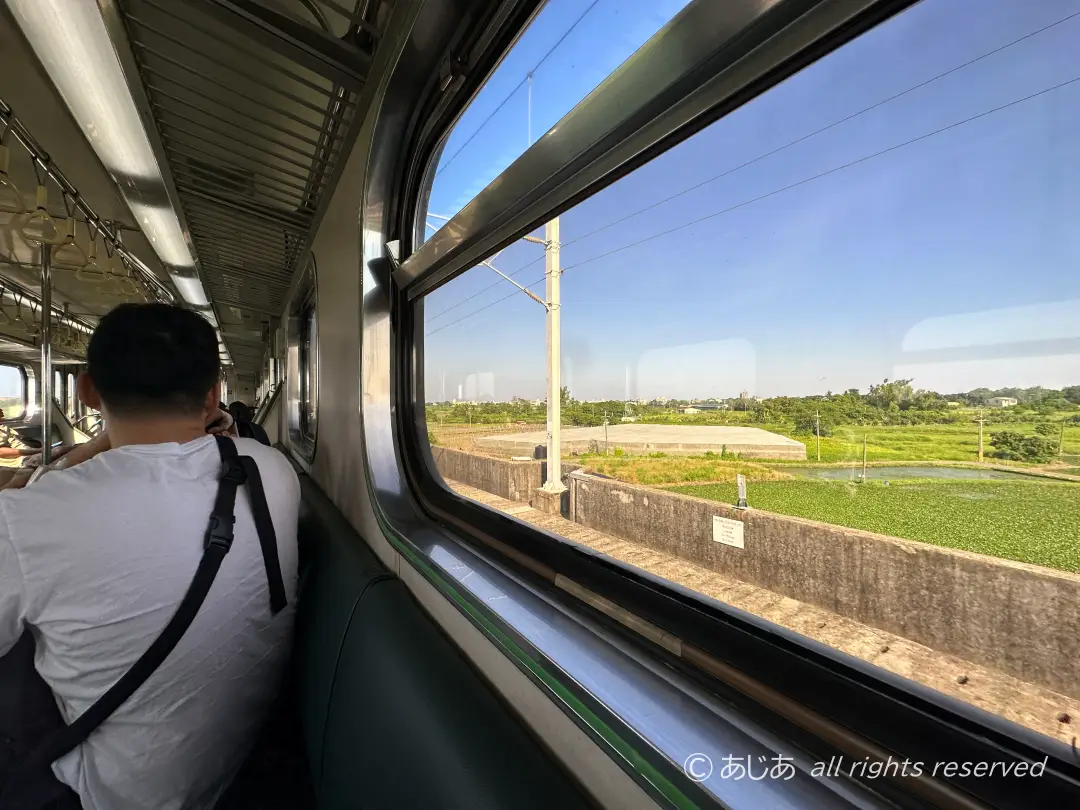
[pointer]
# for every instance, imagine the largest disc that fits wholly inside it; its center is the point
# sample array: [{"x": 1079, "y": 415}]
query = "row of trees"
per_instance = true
[
  {"x": 891, "y": 402},
  {"x": 897, "y": 402}
]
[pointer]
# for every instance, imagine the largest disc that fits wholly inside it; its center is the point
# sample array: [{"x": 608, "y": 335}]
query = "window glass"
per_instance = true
[
  {"x": 12, "y": 392},
  {"x": 857, "y": 295},
  {"x": 72, "y": 400},
  {"x": 58, "y": 387},
  {"x": 565, "y": 54}
]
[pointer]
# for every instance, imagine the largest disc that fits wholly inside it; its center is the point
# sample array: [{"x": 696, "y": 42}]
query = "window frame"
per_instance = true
[
  {"x": 25, "y": 391},
  {"x": 303, "y": 387},
  {"x": 886, "y": 709}
]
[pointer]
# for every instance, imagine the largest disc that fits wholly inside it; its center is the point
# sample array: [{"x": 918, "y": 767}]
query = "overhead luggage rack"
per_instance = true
[{"x": 254, "y": 102}]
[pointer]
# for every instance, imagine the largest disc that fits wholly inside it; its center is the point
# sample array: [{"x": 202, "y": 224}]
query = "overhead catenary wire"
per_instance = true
[
  {"x": 788, "y": 187},
  {"x": 517, "y": 87},
  {"x": 768, "y": 154}
]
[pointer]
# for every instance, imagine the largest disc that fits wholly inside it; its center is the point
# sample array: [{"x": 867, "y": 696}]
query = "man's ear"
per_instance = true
[
  {"x": 88, "y": 394},
  {"x": 213, "y": 397}
]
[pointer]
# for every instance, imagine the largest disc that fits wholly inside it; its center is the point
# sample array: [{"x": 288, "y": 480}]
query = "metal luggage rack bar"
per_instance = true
[
  {"x": 14, "y": 292},
  {"x": 10, "y": 122}
]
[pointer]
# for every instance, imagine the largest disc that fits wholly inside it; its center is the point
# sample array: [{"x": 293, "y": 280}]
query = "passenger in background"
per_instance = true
[
  {"x": 12, "y": 449},
  {"x": 96, "y": 558},
  {"x": 244, "y": 417}
]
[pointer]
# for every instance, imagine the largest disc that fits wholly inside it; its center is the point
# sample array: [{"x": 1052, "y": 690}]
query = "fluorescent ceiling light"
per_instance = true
[
  {"x": 162, "y": 230},
  {"x": 209, "y": 315},
  {"x": 70, "y": 39},
  {"x": 191, "y": 289}
]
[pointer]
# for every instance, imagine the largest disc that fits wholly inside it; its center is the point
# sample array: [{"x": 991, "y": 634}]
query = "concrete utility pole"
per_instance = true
[
  {"x": 553, "y": 273},
  {"x": 980, "y": 421},
  {"x": 864, "y": 457},
  {"x": 817, "y": 430}
]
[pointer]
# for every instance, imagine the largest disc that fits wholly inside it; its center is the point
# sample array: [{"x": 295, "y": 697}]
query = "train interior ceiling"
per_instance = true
[{"x": 275, "y": 166}]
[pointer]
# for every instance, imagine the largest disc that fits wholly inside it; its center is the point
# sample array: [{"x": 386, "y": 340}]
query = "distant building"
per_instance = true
[
  {"x": 1001, "y": 402},
  {"x": 952, "y": 404},
  {"x": 691, "y": 410}
]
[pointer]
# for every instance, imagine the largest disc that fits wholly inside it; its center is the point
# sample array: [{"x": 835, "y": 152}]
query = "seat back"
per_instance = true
[{"x": 393, "y": 715}]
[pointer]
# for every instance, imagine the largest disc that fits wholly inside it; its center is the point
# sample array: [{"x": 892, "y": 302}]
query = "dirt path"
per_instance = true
[{"x": 1028, "y": 705}]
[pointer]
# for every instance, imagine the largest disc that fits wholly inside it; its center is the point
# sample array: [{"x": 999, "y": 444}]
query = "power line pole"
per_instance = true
[
  {"x": 1061, "y": 438},
  {"x": 817, "y": 430},
  {"x": 553, "y": 305},
  {"x": 980, "y": 421}
]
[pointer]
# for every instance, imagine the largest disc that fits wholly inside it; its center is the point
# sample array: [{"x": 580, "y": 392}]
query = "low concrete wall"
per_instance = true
[
  {"x": 513, "y": 480},
  {"x": 1020, "y": 619}
]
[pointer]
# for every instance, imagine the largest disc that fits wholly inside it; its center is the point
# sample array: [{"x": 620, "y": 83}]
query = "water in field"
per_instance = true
[{"x": 894, "y": 473}]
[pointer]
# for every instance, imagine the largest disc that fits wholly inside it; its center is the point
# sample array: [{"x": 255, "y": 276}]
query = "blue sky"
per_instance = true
[{"x": 880, "y": 247}]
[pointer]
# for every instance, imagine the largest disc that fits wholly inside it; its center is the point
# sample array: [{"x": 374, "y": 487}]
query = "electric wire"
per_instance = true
[
  {"x": 783, "y": 189},
  {"x": 761, "y": 157},
  {"x": 519, "y": 85}
]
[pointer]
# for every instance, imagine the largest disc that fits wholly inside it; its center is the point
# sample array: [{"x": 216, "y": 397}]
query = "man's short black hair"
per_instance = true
[
  {"x": 241, "y": 412},
  {"x": 146, "y": 359}
]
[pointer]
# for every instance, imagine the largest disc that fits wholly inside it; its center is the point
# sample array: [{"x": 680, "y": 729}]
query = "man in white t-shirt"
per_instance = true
[{"x": 95, "y": 559}]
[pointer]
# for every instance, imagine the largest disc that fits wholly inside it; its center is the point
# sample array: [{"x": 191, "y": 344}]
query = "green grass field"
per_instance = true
[
  {"x": 914, "y": 442},
  {"x": 1035, "y": 522},
  {"x": 658, "y": 471}
]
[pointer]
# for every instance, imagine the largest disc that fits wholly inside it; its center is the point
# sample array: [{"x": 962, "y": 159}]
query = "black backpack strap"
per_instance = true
[
  {"x": 236, "y": 470},
  {"x": 264, "y": 525}
]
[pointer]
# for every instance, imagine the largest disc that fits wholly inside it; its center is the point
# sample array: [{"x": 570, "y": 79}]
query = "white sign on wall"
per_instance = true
[{"x": 726, "y": 531}]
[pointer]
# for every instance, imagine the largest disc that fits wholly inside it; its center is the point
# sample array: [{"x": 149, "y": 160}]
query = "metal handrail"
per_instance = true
[
  {"x": 267, "y": 403},
  {"x": 91, "y": 430},
  {"x": 42, "y": 159}
]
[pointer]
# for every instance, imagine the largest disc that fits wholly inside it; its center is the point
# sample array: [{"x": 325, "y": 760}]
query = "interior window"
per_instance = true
[
  {"x": 821, "y": 361},
  {"x": 12, "y": 391}
]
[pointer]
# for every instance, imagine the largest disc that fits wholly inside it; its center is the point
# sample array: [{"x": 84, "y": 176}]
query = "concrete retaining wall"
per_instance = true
[
  {"x": 1020, "y": 619},
  {"x": 513, "y": 480}
]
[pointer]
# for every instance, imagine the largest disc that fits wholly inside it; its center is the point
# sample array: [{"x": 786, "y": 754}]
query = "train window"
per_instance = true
[
  {"x": 301, "y": 368},
  {"x": 12, "y": 391},
  {"x": 553, "y": 66},
  {"x": 58, "y": 387},
  {"x": 72, "y": 398},
  {"x": 820, "y": 361},
  {"x": 309, "y": 371}
]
